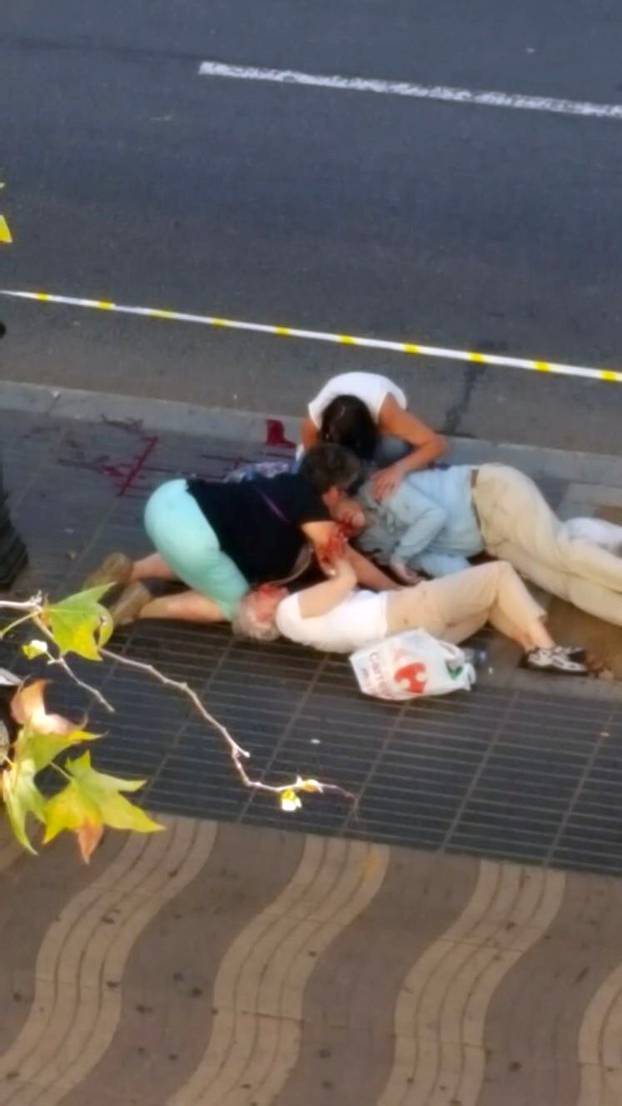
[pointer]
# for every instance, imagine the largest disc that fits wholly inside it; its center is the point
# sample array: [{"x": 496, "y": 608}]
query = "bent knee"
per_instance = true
[{"x": 504, "y": 571}]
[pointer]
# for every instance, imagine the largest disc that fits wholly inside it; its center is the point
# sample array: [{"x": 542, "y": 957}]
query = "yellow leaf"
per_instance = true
[
  {"x": 69, "y": 810},
  {"x": 290, "y": 801},
  {"x": 31, "y": 752},
  {"x": 308, "y": 785},
  {"x": 22, "y": 797},
  {"x": 43, "y": 748},
  {"x": 95, "y": 797},
  {"x": 80, "y": 624}
]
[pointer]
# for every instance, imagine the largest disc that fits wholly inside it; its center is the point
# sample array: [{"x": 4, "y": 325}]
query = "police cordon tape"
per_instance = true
[{"x": 610, "y": 375}]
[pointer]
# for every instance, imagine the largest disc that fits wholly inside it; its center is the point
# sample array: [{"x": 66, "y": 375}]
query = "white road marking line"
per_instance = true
[
  {"x": 417, "y": 91},
  {"x": 611, "y": 375}
]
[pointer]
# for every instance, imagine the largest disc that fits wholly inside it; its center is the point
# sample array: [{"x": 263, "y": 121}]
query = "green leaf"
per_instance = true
[
  {"x": 43, "y": 748},
  {"x": 96, "y": 798},
  {"x": 22, "y": 797},
  {"x": 80, "y": 624},
  {"x": 31, "y": 752},
  {"x": 70, "y": 809}
]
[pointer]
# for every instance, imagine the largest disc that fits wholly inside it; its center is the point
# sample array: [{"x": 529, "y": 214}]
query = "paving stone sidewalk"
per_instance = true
[{"x": 453, "y": 941}]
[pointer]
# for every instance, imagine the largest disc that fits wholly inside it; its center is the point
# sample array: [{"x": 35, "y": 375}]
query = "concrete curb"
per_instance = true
[{"x": 251, "y": 426}]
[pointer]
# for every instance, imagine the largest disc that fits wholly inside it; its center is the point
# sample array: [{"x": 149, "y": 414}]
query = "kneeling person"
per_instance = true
[{"x": 222, "y": 539}]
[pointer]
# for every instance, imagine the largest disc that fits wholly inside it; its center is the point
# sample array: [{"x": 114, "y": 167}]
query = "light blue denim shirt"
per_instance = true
[{"x": 428, "y": 522}]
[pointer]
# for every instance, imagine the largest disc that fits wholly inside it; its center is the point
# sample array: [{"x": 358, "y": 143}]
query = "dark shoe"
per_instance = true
[
  {"x": 130, "y": 603},
  {"x": 557, "y": 661},
  {"x": 116, "y": 568}
]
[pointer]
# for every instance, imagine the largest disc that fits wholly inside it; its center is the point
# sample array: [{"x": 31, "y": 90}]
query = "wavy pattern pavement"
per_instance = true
[
  {"x": 80, "y": 965},
  {"x": 231, "y": 966},
  {"x": 441, "y": 1010},
  {"x": 260, "y": 986},
  {"x": 600, "y": 1045}
]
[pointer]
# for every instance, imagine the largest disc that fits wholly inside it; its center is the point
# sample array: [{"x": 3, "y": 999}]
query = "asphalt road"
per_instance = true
[{"x": 129, "y": 177}]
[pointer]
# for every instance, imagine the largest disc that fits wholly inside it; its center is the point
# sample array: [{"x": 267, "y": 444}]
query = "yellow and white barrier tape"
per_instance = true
[{"x": 416, "y": 348}]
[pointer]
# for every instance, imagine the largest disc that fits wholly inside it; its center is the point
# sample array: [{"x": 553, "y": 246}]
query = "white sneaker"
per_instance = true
[{"x": 557, "y": 660}]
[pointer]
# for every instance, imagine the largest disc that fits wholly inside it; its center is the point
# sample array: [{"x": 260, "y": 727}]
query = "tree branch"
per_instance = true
[
  {"x": 33, "y": 608},
  {"x": 59, "y": 659},
  {"x": 35, "y": 603},
  {"x": 237, "y": 753}
]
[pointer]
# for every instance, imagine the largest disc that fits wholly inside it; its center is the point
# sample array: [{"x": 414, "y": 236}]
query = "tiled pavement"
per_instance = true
[
  {"x": 222, "y": 965},
  {"x": 454, "y": 941}
]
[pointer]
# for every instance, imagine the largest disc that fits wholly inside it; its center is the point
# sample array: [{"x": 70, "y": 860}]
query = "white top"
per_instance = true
[
  {"x": 371, "y": 388},
  {"x": 358, "y": 620}
]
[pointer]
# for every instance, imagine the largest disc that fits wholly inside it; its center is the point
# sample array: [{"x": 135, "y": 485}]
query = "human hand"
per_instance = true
[
  {"x": 331, "y": 551},
  {"x": 343, "y": 570},
  {"x": 404, "y": 573},
  {"x": 387, "y": 480},
  {"x": 349, "y": 515}
]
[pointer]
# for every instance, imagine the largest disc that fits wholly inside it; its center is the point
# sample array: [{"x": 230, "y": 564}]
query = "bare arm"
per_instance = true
[
  {"x": 324, "y": 597},
  {"x": 310, "y": 434},
  {"x": 368, "y": 574},
  {"x": 330, "y": 547},
  {"x": 427, "y": 445}
]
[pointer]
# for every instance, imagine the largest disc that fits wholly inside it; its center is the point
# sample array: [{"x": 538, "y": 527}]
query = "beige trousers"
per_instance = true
[
  {"x": 519, "y": 526},
  {"x": 454, "y": 607}
]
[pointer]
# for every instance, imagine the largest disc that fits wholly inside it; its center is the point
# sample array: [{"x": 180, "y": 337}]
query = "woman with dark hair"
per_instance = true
[{"x": 367, "y": 413}]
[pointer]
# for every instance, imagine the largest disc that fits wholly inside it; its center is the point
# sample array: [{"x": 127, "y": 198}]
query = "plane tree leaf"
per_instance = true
[
  {"x": 80, "y": 624},
  {"x": 94, "y": 799},
  {"x": 22, "y": 797}
]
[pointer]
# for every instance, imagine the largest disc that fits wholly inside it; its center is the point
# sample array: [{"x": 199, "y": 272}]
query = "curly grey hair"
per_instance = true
[{"x": 246, "y": 624}]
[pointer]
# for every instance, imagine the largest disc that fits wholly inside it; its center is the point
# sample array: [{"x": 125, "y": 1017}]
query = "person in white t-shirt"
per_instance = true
[
  {"x": 367, "y": 413},
  {"x": 337, "y": 616}
]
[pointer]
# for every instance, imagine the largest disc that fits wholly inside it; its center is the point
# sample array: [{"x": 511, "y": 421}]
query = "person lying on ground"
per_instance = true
[
  {"x": 222, "y": 539},
  {"x": 367, "y": 413},
  {"x": 337, "y": 616},
  {"x": 437, "y": 519}
]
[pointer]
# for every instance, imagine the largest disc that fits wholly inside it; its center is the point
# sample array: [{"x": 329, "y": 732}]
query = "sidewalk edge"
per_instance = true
[{"x": 251, "y": 426}]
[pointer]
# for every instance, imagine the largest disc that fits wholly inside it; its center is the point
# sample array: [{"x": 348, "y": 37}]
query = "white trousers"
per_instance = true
[
  {"x": 454, "y": 607},
  {"x": 519, "y": 526}
]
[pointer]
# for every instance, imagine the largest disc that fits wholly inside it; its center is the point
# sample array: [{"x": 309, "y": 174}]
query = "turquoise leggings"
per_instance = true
[{"x": 185, "y": 540}]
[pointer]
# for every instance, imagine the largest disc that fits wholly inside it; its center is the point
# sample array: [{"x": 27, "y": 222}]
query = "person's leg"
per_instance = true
[
  {"x": 185, "y": 606},
  {"x": 515, "y": 612},
  {"x": 462, "y": 603},
  {"x": 514, "y": 516},
  {"x": 152, "y": 567},
  {"x": 597, "y": 600},
  {"x": 188, "y": 545},
  {"x": 454, "y": 607},
  {"x": 492, "y": 593}
]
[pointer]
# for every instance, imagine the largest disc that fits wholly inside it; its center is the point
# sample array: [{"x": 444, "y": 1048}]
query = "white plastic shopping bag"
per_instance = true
[{"x": 411, "y": 664}]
